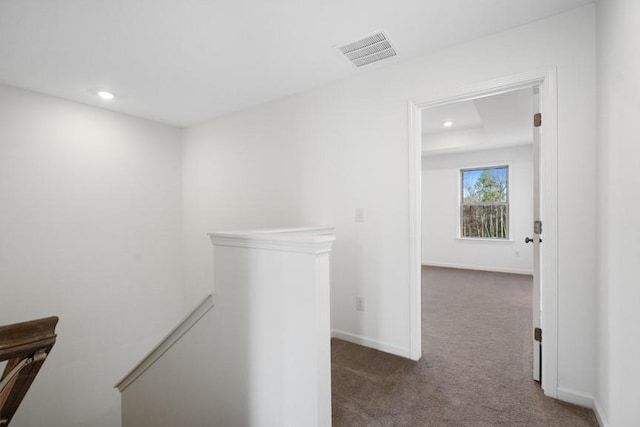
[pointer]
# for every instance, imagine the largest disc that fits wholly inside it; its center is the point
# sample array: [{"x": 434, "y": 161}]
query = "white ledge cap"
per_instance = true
[{"x": 301, "y": 239}]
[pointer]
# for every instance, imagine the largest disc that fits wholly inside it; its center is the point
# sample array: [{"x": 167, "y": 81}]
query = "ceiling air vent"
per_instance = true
[{"x": 368, "y": 50}]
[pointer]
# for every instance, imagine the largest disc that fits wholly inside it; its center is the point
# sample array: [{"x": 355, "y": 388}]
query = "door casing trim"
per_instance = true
[{"x": 546, "y": 81}]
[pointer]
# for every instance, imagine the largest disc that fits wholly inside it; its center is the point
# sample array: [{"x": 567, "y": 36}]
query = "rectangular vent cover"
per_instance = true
[{"x": 368, "y": 50}]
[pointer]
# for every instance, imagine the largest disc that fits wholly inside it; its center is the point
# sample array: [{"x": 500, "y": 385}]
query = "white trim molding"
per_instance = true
[
  {"x": 367, "y": 342},
  {"x": 166, "y": 343},
  {"x": 478, "y": 268},
  {"x": 312, "y": 240},
  {"x": 415, "y": 230},
  {"x": 575, "y": 397},
  {"x": 600, "y": 415},
  {"x": 546, "y": 81}
]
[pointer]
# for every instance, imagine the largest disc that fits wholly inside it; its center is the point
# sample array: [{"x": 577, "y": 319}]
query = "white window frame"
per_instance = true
[{"x": 462, "y": 205}]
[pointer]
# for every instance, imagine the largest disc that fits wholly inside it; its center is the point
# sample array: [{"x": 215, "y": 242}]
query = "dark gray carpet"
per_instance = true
[{"x": 476, "y": 365}]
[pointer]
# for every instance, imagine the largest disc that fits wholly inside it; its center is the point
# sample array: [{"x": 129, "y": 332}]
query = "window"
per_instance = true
[{"x": 484, "y": 203}]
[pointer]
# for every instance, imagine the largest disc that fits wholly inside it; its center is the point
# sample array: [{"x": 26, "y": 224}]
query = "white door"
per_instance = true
[{"x": 535, "y": 239}]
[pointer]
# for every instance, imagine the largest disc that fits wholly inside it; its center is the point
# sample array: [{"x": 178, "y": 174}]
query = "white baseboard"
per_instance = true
[
  {"x": 597, "y": 409},
  {"x": 478, "y": 267},
  {"x": 575, "y": 397},
  {"x": 367, "y": 342}
]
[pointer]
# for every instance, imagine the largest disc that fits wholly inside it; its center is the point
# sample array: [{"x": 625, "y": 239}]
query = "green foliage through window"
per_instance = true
[{"x": 484, "y": 207}]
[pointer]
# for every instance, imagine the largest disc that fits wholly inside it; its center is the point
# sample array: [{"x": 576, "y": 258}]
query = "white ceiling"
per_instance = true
[
  {"x": 501, "y": 120},
  {"x": 507, "y": 118},
  {"x": 463, "y": 115},
  {"x": 184, "y": 61}
]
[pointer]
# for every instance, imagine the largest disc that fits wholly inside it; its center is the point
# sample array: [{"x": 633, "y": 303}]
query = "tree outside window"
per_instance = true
[{"x": 484, "y": 207}]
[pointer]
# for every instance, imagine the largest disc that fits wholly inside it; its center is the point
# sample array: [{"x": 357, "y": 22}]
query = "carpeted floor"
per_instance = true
[{"x": 476, "y": 365}]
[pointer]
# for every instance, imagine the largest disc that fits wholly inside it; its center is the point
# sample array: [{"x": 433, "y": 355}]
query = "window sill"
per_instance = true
[{"x": 477, "y": 239}]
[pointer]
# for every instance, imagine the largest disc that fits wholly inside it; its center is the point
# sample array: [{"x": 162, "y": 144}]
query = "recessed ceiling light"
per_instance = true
[
  {"x": 106, "y": 95},
  {"x": 447, "y": 124}
]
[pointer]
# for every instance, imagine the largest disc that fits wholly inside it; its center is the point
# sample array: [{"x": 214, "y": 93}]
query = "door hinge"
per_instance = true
[
  {"x": 537, "y": 120},
  {"x": 537, "y": 334},
  {"x": 537, "y": 227}
]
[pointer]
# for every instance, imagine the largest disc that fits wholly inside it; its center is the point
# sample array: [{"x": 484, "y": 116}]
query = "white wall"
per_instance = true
[
  {"x": 90, "y": 224},
  {"x": 314, "y": 157},
  {"x": 441, "y": 244},
  {"x": 618, "y": 207}
]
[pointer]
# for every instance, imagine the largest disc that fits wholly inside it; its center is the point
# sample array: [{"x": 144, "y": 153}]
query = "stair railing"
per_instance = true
[{"x": 24, "y": 346}]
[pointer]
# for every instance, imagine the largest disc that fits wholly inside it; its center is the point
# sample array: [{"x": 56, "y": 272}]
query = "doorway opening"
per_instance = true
[{"x": 481, "y": 177}]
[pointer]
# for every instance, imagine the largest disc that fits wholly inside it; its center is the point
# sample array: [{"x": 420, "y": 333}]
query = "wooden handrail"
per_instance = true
[{"x": 24, "y": 346}]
